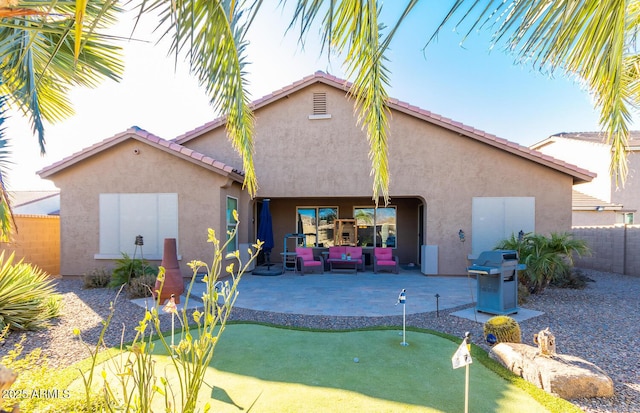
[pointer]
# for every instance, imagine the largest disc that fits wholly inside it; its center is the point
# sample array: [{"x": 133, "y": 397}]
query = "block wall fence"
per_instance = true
[
  {"x": 37, "y": 241},
  {"x": 613, "y": 248}
]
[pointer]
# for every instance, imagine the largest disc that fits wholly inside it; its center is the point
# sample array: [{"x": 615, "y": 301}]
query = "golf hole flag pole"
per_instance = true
[
  {"x": 462, "y": 357},
  {"x": 402, "y": 298}
]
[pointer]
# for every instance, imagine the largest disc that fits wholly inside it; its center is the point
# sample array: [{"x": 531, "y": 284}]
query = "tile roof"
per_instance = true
[
  {"x": 597, "y": 137},
  {"x": 583, "y": 202},
  {"x": 579, "y": 174},
  {"x": 143, "y": 136},
  {"x": 21, "y": 198}
]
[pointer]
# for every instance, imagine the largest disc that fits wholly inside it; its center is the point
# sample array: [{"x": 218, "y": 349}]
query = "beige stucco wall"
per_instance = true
[
  {"x": 301, "y": 158},
  {"x": 629, "y": 194},
  {"x": 593, "y": 156},
  {"x": 596, "y": 157},
  {"x": 593, "y": 218},
  {"x": 201, "y": 201},
  {"x": 37, "y": 241}
]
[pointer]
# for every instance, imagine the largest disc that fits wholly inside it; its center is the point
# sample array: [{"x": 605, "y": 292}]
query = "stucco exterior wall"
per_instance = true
[
  {"x": 201, "y": 202},
  {"x": 629, "y": 194},
  {"x": 37, "y": 242},
  {"x": 594, "y": 218},
  {"x": 328, "y": 158},
  {"x": 596, "y": 157},
  {"x": 593, "y": 156}
]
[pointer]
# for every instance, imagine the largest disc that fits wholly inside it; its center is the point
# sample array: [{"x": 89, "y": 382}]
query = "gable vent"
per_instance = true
[{"x": 319, "y": 106}]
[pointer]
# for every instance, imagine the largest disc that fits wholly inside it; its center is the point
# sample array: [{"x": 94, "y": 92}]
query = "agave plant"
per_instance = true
[
  {"x": 547, "y": 258},
  {"x": 28, "y": 298}
]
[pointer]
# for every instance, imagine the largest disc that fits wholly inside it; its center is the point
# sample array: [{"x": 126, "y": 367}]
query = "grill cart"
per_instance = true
[{"x": 497, "y": 280}]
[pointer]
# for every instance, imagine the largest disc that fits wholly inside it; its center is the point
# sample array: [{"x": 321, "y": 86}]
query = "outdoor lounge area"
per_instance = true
[{"x": 339, "y": 259}]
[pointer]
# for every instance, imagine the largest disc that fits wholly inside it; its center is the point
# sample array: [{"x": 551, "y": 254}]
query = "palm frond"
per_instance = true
[
  {"x": 41, "y": 62},
  {"x": 352, "y": 28},
  {"x": 590, "y": 40},
  {"x": 211, "y": 35},
  {"x": 7, "y": 222}
]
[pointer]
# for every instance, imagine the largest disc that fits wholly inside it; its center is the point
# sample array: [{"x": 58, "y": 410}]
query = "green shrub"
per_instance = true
[
  {"x": 141, "y": 286},
  {"x": 128, "y": 268},
  {"x": 547, "y": 258},
  {"x": 28, "y": 297},
  {"x": 96, "y": 278},
  {"x": 504, "y": 328}
]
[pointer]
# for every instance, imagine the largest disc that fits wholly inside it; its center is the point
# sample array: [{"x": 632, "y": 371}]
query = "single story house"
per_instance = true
[
  {"x": 600, "y": 201},
  {"x": 447, "y": 180}
]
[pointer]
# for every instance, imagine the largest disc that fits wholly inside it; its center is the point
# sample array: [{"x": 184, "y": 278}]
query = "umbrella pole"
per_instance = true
[{"x": 267, "y": 255}]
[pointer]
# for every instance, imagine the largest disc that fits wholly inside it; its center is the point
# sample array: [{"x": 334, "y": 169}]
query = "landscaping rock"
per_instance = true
[{"x": 562, "y": 375}]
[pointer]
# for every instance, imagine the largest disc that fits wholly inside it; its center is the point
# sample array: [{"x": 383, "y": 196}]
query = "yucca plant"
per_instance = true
[
  {"x": 28, "y": 297},
  {"x": 547, "y": 258}
]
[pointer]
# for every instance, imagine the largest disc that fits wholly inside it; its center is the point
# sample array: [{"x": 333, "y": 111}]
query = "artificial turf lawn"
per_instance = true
[{"x": 265, "y": 369}]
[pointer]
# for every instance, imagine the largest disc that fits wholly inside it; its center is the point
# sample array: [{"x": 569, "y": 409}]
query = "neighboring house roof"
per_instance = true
[
  {"x": 35, "y": 202},
  {"x": 595, "y": 137},
  {"x": 584, "y": 202},
  {"x": 579, "y": 174},
  {"x": 150, "y": 139}
]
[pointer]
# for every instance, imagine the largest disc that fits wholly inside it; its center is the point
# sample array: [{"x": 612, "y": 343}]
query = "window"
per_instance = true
[
  {"x": 232, "y": 205},
  {"x": 125, "y": 216},
  {"x": 316, "y": 223},
  {"x": 376, "y": 226},
  {"x": 625, "y": 218}
]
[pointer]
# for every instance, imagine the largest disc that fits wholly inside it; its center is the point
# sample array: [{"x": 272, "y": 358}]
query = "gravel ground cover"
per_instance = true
[{"x": 599, "y": 323}]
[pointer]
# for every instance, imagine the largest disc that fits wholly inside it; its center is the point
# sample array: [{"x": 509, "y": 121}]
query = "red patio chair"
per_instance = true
[
  {"x": 383, "y": 258},
  {"x": 307, "y": 262}
]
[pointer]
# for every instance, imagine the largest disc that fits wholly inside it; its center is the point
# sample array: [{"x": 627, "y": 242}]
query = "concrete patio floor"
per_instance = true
[{"x": 348, "y": 294}]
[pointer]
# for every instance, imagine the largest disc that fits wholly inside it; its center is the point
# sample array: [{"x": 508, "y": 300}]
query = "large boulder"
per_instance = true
[{"x": 562, "y": 375}]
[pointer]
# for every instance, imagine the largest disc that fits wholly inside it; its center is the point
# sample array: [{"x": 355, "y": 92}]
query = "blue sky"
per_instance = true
[{"x": 469, "y": 84}]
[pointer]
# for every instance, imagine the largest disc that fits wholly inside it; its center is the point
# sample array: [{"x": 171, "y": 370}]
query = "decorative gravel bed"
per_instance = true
[{"x": 598, "y": 323}]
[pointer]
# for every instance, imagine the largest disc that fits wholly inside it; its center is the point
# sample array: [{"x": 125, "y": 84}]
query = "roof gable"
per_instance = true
[
  {"x": 579, "y": 174},
  {"x": 150, "y": 139}
]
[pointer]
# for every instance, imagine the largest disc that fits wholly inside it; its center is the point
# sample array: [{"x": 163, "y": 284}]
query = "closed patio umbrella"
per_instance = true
[{"x": 265, "y": 231}]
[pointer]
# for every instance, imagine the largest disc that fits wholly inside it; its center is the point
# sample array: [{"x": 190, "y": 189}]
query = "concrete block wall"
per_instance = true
[
  {"x": 613, "y": 248},
  {"x": 37, "y": 241}
]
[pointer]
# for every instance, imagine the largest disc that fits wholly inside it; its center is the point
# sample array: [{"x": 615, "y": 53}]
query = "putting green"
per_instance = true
[{"x": 266, "y": 369}]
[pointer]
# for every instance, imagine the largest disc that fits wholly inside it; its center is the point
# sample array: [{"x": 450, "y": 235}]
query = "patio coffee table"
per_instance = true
[{"x": 344, "y": 265}]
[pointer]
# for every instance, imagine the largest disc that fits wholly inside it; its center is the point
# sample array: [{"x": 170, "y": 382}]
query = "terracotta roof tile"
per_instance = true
[
  {"x": 141, "y": 135},
  {"x": 405, "y": 107},
  {"x": 584, "y": 202}
]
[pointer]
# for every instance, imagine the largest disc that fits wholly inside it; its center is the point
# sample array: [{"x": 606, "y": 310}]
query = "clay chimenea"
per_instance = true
[{"x": 173, "y": 282}]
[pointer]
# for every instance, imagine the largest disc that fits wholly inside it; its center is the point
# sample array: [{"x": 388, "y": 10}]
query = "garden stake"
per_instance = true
[{"x": 170, "y": 307}]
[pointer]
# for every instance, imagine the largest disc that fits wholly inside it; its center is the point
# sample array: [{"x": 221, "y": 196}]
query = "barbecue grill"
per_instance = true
[{"x": 497, "y": 281}]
